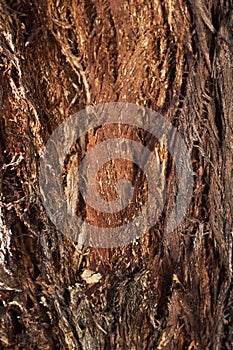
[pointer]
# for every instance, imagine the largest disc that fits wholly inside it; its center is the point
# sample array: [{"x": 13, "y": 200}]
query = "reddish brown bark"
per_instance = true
[{"x": 163, "y": 291}]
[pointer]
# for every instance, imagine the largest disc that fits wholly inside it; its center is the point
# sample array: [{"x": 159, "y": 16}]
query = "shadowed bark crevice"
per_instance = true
[{"x": 163, "y": 290}]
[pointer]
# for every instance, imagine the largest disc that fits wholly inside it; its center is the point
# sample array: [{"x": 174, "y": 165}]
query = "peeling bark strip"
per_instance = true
[
  {"x": 164, "y": 290},
  {"x": 113, "y": 220}
]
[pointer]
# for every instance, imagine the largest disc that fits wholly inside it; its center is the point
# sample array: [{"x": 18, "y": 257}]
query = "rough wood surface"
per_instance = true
[{"x": 163, "y": 291}]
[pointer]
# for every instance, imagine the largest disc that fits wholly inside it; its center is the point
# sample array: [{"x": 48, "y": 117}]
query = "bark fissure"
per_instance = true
[{"x": 163, "y": 290}]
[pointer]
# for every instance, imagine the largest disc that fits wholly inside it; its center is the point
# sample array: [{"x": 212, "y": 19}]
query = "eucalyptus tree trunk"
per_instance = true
[{"x": 163, "y": 289}]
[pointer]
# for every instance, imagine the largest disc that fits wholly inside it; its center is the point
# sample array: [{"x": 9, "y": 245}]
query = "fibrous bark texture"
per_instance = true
[{"x": 163, "y": 290}]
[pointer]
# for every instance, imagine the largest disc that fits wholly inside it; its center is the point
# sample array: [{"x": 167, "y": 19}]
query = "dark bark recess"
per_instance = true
[{"x": 164, "y": 291}]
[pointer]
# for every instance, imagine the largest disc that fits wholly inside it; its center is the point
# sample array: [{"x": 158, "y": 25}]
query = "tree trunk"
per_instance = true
[{"x": 160, "y": 290}]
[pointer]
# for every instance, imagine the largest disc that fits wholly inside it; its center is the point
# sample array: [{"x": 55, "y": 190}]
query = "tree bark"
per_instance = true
[{"x": 163, "y": 290}]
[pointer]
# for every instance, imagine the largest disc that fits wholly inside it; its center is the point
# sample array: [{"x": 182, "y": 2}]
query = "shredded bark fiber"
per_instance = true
[{"x": 162, "y": 291}]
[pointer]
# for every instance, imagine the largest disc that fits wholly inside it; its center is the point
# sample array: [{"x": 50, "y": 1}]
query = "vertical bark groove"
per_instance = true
[{"x": 163, "y": 291}]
